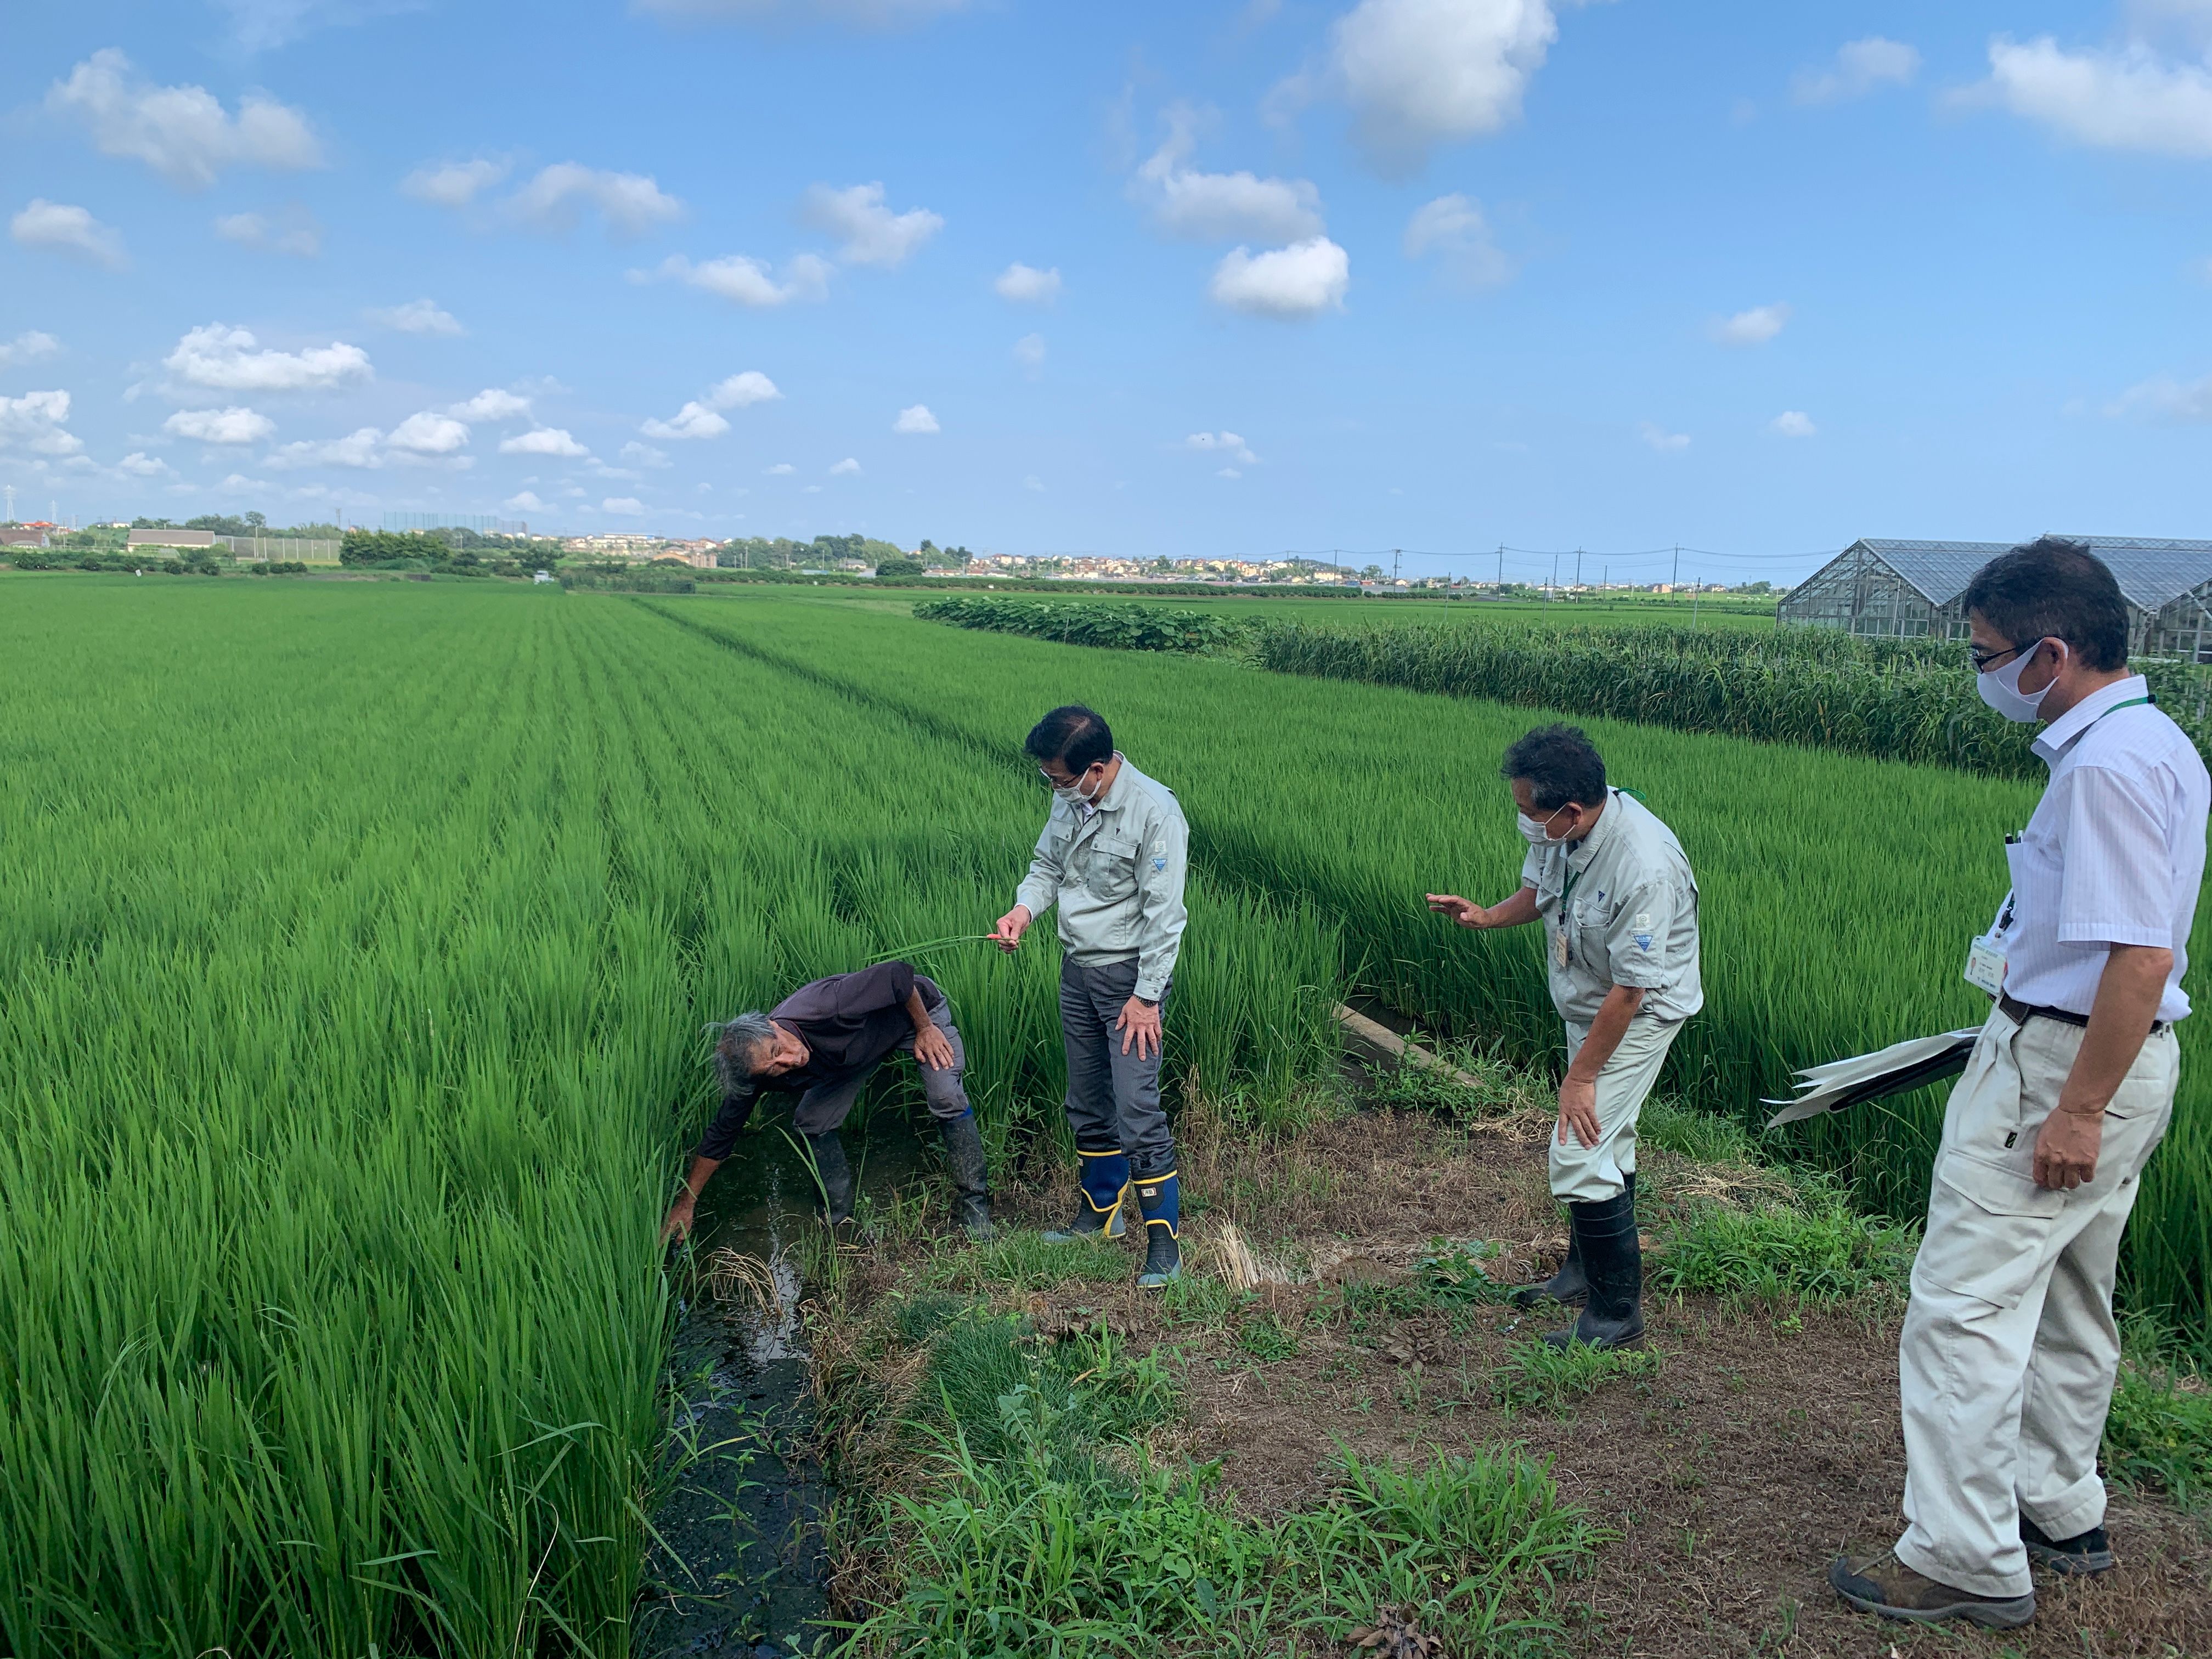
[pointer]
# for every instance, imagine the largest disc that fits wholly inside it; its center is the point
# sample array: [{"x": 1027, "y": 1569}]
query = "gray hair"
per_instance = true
[{"x": 738, "y": 1046}]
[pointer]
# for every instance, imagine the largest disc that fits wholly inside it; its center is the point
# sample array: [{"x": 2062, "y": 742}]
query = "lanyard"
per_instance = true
[{"x": 2005, "y": 919}]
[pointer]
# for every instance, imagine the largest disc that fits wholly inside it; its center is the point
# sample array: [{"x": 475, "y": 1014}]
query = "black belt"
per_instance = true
[{"x": 2021, "y": 1012}]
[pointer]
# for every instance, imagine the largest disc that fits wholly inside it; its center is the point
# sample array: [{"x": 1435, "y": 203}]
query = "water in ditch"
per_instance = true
[{"x": 736, "y": 1564}]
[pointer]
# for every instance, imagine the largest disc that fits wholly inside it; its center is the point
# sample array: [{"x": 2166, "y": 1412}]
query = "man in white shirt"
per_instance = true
[{"x": 2009, "y": 1354}]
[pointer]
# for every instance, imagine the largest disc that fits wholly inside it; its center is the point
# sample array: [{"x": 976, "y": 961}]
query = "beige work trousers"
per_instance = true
[
  {"x": 2006, "y": 1364},
  {"x": 1586, "y": 1175}
]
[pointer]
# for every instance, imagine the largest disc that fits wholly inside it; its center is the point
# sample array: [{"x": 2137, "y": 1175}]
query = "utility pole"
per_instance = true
[
  {"x": 11, "y": 503},
  {"x": 1694, "y": 601},
  {"x": 1674, "y": 582},
  {"x": 1397, "y": 557},
  {"x": 1578, "y": 570},
  {"x": 1501, "y": 570},
  {"x": 1555, "y": 580}
]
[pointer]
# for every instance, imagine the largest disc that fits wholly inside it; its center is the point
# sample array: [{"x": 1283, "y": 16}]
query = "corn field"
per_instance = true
[
  {"x": 1908, "y": 700},
  {"x": 354, "y": 947},
  {"x": 1838, "y": 891}
]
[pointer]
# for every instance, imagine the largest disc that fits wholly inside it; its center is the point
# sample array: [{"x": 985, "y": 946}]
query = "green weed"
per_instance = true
[
  {"x": 1819, "y": 1251},
  {"x": 2158, "y": 1434},
  {"x": 1536, "y": 1377},
  {"x": 1265, "y": 1338}
]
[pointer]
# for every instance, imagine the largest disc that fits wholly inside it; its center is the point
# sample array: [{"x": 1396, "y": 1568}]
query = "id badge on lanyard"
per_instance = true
[
  {"x": 1561, "y": 953},
  {"x": 1986, "y": 953}
]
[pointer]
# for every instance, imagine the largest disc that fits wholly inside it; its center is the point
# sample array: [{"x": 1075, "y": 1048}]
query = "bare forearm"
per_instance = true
[
  {"x": 2119, "y": 1020},
  {"x": 1517, "y": 912},
  {"x": 702, "y": 1170},
  {"x": 915, "y": 1012},
  {"x": 1620, "y": 1006}
]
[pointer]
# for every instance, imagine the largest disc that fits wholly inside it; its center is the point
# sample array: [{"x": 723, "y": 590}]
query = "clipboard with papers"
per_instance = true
[{"x": 1840, "y": 1085}]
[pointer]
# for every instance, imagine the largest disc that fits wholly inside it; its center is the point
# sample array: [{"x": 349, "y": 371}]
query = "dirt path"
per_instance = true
[{"x": 1763, "y": 1443}]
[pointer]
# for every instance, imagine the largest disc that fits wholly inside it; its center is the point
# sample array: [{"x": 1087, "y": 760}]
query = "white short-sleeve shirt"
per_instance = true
[{"x": 2114, "y": 854}]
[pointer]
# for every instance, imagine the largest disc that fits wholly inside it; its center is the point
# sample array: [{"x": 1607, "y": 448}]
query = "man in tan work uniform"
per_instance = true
[
  {"x": 2010, "y": 1351},
  {"x": 1613, "y": 891}
]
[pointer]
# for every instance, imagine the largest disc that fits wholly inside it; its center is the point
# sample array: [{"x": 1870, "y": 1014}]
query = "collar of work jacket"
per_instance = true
[{"x": 1109, "y": 805}]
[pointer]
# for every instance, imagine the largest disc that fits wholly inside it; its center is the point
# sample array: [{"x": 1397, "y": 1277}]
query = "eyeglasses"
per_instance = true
[{"x": 1982, "y": 659}]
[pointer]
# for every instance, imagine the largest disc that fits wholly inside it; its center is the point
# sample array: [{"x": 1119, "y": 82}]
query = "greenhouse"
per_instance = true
[{"x": 1911, "y": 589}]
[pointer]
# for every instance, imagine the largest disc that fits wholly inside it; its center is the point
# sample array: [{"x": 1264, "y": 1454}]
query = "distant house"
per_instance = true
[
  {"x": 171, "y": 538},
  {"x": 1910, "y": 590},
  {"x": 21, "y": 535}
]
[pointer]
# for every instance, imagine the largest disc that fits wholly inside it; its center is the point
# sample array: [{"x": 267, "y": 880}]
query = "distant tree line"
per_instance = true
[{"x": 456, "y": 552}]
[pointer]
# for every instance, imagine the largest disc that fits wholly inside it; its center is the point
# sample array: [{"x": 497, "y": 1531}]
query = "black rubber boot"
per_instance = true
[
  {"x": 834, "y": 1174},
  {"x": 1613, "y": 1317},
  {"x": 971, "y": 1189},
  {"x": 1570, "y": 1285}
]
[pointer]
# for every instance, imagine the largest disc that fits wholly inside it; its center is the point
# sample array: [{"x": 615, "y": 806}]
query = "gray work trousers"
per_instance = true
[
  {"x": 826, "y": 1105},
  {"x": 1113, "y": 1098}
]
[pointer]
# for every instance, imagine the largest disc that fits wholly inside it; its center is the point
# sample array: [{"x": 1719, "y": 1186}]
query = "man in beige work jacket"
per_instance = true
[
  {"x": 1613, "y": 891},
  {"x": 1113, "y": 857}
]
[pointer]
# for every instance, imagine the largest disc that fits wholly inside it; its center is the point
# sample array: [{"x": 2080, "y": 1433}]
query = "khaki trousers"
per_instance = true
[
  {"x": 1588, "y": 1175},
  {"x": 2006, "y": 1366}
]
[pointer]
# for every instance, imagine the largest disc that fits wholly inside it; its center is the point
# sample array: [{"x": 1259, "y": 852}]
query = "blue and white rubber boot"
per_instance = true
[
  {"x": 1160, "y": 1198},
  {"x": 1104, "y": 1174}
]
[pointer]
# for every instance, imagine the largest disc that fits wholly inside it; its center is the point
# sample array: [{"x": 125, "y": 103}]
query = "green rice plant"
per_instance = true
[
  {"x": 1536, "y": 1377},
  {"x": 1836, "y": 891}
]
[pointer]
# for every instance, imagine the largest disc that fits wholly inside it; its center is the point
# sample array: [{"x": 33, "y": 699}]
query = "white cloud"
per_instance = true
[
  {"x": 1028, "y": 352},
  {"x": 1753, "y": 327},
  {"x": 811, "y": 490},
  {"x": 1419, "y": 73},
  {"x": 543, "y": 440},
  {"x": 239, "y": 481},
  {"x": 35, "y": 421},
  {"x": 1452, "y": 227},
  {"x": 1223, "y": 443},
  {"x": 1025, "y": 285},
  {"x": 780, "y": 469},
  {"x": 303, "y": 238},
  {"x": 361, "y": 448},
  {"x": 67, "y": 230},
  {"x": 916, "y": 419},
  {"x": 698, "y": 418},
  {"x": 523, "y": 501},
  {"x": 640, "y": 454},
  {"x": 224, "y": 359},
  {"x": 1221, "y": 207},
  {"x": 2130, "y": 98},
  {"x": 1300, "y": 280},
  {"x": 1227, "y": 472},
  {"x": 746, "y": 281},
  {"x": 1666, "y": 443},
  {"x": 1032, "y": 482},
  {"x": 417, "y": 317},
  {"x": 139, "y": 464},
  {"x": 1861, "y": 67},
  {"x": 491, "y": 405},
  {"x": 220, "y": 426},
  {"x": 845, "y": 469},
  {"x": 27, "y": 347},
  {"x": 742, "y": 389},
  {"x": 865, "y": 13},
  {"x": 873, "y": 234},
  {"x": 182, "y": 132},
  {"x": 262, "y": 25},
  {"x": 629, "y": 203},
  {"x": 629, "y": 504},
  {"x": 429, "y": 433},
  {"x": 454, "y": 184},
  {"x": 2166, "y": 399},
  {"x": 694, "y": 420},
  {"x": 1793, "y": 423}
]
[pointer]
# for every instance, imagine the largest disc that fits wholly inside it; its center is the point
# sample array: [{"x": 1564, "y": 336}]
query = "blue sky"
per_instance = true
[{"x": 1144, "y": 278}]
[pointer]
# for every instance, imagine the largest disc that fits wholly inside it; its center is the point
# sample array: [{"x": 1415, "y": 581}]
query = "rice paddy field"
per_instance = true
[{"x": 355, "y": 940}]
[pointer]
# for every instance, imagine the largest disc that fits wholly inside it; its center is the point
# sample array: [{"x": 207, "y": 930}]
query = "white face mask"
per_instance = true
[
  {"x": 2000, "y": 687},
  {"x": 1537, "y": 831},
  {"x": 1073, "y": 793}
]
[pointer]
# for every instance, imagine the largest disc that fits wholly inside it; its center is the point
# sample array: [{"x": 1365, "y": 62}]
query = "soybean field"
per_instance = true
[{"x": 354, "y": 945}]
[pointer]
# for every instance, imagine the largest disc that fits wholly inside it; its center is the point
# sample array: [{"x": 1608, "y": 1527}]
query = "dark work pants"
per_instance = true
[{"x": 1113, "y": 1098}]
